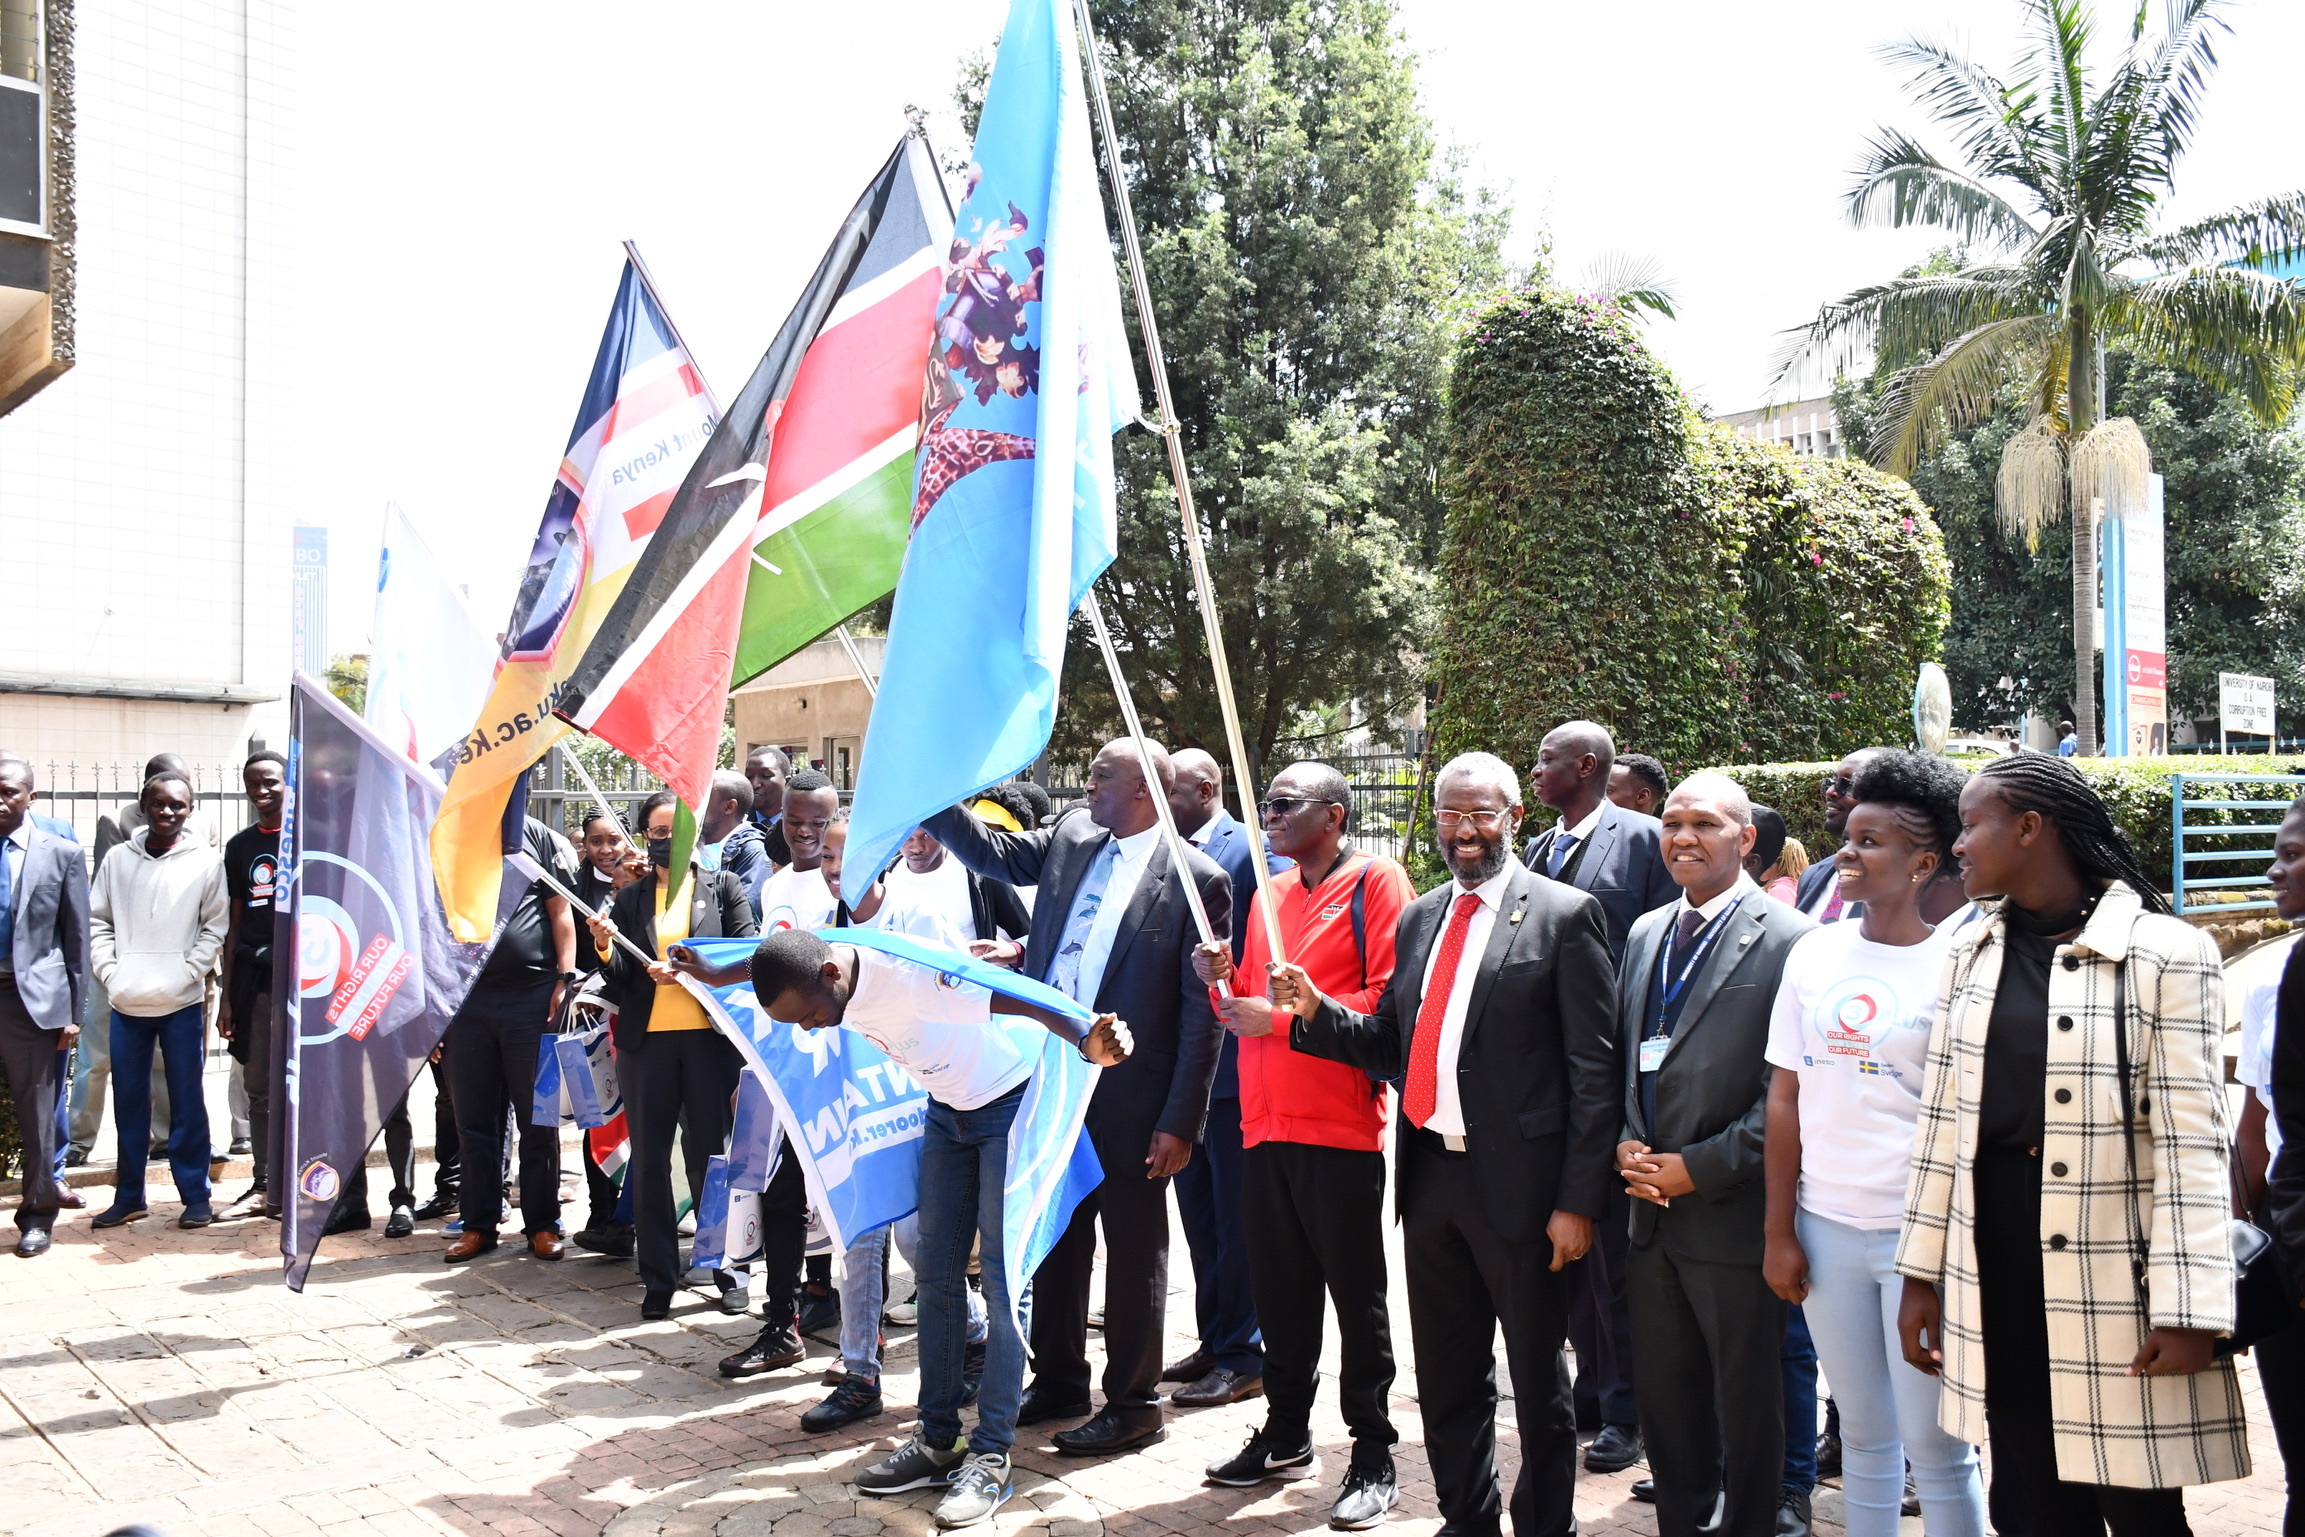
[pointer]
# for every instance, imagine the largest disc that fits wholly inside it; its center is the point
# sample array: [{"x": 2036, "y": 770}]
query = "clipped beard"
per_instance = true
[{"x": 1474, "y": 872}]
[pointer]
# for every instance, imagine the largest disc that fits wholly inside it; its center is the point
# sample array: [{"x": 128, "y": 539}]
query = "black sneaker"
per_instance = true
[
  {"x": 776, "y": 1347},
  {"x": 438, "y": 1207},
  {"x": 914, "y": 1465},
  {"x": 1256, "y": 1463},
  {"x": 857, "y": 1398},
  {"x": 820, "y": 1316},
  {"x": 1615, "y": 1449},
  {"x": 345, "y": 1221},
  {"x": 615, "y": 1242},
  {"x": 1369, "y": 1492}
]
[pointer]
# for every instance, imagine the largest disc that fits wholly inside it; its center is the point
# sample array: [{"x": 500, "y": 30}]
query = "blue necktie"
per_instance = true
[
  {"x": 1064, "y": 971},
  {"x": 1563, "y": 845}
]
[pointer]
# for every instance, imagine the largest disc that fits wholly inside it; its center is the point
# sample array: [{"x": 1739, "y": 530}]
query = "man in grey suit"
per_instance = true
[
  {"x": 1601, "y": 848},
  {"x": 1498, "y": 1018},
  {"x": 1694, "y": 997},
  {"x": 43, "y": 982},
  {"x": 1111, "y": 928}
]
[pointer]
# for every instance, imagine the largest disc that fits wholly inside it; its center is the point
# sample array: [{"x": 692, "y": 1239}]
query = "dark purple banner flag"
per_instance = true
[{"x": 366, "y": 972}]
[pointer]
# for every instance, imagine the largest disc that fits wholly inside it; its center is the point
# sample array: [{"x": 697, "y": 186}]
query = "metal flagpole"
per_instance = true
[
  {"x": 1172, "y": 431},
  {"x": 537, "y": 872},
  {"x": 856, "y": 658},
  {"x": 1168, "y": 822},
  {"x": 600, "y": 800}
]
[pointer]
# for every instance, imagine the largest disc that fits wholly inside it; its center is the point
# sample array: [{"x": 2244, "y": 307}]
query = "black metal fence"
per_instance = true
[
  {"x": 82, "y": 794},
  {"x": 1383, "y": 786}
]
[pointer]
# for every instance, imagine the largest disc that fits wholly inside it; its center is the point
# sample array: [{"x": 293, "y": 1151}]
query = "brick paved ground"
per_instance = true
[{"x": 157, "y": 1375}]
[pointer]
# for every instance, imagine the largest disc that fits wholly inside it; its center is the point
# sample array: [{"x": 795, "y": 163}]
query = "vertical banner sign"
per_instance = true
[
  {"x": 308, "y": 601},
  {"x": 2136, "y": 629}
]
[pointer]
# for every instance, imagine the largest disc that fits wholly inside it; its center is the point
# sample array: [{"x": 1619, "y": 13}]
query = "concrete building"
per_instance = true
[
  {"x": 1804, "y": 426},
  {"x": 813, "y": 705},
  {"x": 146, "y": 494}
]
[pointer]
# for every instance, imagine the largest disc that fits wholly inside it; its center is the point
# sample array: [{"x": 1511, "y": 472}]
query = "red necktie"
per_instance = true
[{"x": 1425, "y": 1045}]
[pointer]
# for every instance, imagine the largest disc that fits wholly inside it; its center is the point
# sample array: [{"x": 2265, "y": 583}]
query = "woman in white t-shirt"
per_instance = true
[{"x": 1850, "y": 1043}]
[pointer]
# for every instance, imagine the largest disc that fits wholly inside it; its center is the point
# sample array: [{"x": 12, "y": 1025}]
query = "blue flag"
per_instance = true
[
  {"x": 859, "y": 1134},
  {"x": 1012, "y": 517}
]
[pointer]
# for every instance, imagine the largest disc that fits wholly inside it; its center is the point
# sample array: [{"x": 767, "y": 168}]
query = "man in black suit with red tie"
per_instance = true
[{"x": 1499, "y": 1013}]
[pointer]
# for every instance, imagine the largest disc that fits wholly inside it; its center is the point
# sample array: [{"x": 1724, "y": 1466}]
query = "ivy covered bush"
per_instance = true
[{"x": 1608, "y": 554}]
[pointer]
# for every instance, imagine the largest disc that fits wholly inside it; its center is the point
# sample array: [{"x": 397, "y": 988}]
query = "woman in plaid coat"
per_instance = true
[{"x": 2084, "y": 1283}]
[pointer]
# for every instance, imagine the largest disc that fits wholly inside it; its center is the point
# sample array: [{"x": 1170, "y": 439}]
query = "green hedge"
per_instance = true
[
  {"x": 2136, "y": 790},
  {"x": 1609, "y": 555}
]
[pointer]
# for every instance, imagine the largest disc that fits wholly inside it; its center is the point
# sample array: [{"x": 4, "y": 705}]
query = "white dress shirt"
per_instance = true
[
  {"x": 1448, "y": 1113},
  {"x": 1714, "y": 908},
  {"x": 1128, "y": 868}
]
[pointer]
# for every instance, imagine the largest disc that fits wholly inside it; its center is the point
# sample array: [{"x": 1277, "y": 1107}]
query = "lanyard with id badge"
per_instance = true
[{"x": 1669, "y": 989}]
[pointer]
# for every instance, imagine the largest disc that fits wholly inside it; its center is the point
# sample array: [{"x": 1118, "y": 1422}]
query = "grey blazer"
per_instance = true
[
  {"x": 1148, "y": 980},
  {"x": 50, "y": 952},
  {"x": 1713, "y": 1090},
  {"x": 1623, "y": 867}
]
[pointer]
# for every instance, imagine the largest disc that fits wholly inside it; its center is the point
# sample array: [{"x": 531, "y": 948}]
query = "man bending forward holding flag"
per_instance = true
[{"x": 938, "y": 1028}]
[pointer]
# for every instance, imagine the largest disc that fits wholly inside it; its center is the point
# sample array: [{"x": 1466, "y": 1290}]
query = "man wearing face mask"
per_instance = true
[{"x": 492, "y": 1045}]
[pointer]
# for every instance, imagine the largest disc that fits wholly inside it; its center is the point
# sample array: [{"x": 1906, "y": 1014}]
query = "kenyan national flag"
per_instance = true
[{"x": 796, "y": 513}]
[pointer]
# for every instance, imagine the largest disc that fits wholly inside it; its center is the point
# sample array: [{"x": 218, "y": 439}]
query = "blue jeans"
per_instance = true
[
  {"x": 1888, "y": 1410},
  {"x": 864, "y": 1293},
  {"x": 180, "y": 1037},
  {"x": 963, "y": 1170}
]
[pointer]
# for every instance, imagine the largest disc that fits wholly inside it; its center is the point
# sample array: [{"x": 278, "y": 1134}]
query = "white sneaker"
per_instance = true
[{"x": 981, "y": 1487}]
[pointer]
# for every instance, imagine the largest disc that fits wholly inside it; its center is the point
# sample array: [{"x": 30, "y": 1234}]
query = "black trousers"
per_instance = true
[
  {"x": 28, "y": 1058},
  {"x": 1209, "y": 1205},
  {"x": 784, "y": 1239},
  {"x": 2281, "y": 1373},
  {"x": 1707, "y": 1345},
  {"x": 1314, "y": 1219},
  {"x": 2013, "y": 1317},
  {"x": 492, "y": 1046},
  {"x": 1465, "y": 1283},
  {"x": 1601, "y": 1321},
  {"x": 674, "y": 1078},
  {"x": 399, "y": 1152},
  {"x": 253, "y": 1035},
  {"x": 1135, "y": 1214},
  {"x": 447, "y": 1137}
]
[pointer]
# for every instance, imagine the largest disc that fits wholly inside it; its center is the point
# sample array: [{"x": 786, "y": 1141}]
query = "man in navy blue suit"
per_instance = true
[
  {"x": 1229, "y": 1364},
  {"x": 1601, "y": 848}
]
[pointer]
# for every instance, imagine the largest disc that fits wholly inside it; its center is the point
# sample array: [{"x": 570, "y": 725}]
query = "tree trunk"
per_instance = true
[{"x": 2081, "y": 415}]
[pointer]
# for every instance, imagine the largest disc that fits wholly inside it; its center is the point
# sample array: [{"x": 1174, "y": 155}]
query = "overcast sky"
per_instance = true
[{"x": 467, "y": 187}]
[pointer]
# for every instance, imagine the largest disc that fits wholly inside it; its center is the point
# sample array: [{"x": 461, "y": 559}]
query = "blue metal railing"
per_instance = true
[{"x": 2243, "y": 830}]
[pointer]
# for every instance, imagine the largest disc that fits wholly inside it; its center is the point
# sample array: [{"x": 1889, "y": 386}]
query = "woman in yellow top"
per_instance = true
[{"x": 675, "y": 1070}]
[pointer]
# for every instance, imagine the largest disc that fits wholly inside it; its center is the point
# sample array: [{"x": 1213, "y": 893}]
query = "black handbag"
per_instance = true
[{"x": 2262, "y": 1306}]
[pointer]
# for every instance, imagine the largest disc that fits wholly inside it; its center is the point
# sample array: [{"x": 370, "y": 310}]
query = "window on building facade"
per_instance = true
[{"x": 23, "y": 161}]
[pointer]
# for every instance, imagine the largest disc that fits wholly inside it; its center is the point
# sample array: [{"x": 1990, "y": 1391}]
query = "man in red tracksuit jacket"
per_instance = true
[{"x": 1313, "y": 1176}]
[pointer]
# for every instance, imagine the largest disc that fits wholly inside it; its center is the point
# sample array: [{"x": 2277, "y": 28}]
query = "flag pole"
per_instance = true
[
  {"x": 648, "y": 281},
  {"x": 615, "y": 818},
  {"x": 856, "y": 659},
  {"x": 1173, "y": 432},
  {"x": 1167, "y": 818}
]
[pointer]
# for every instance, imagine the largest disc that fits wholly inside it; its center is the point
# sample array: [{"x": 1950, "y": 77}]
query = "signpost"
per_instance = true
[
  {"x": 2136, "y": 630},
  {"x": 2244, "y": 704}
]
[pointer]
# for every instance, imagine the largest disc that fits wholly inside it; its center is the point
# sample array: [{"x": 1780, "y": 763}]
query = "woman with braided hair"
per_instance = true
[
  {"x": 2069, "y": 1191},
  {"x": 1847, "y": 1042}
]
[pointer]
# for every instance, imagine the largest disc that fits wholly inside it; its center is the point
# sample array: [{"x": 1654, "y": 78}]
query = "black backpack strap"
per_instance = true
[{"x": 1361, "y": 920}]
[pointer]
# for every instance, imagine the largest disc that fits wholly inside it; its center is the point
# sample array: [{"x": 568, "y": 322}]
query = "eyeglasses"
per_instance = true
[
  {"x": 1486, "y": 821},
  {"x": 1290, "y": 805}
]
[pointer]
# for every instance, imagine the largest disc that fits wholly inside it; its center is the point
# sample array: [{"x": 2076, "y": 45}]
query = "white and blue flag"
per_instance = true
[{"x": 856, "y": 1117}]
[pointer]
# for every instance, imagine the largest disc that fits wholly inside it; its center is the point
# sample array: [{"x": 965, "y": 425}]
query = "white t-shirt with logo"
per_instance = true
[
  {"x": 943, "y": 892},
  {"x": 2254, "y": 1067},
  {"x": 1852, "y": 1018},
  {"x": 937, "y": 1027},
  {"x": 796, "y": 899}
]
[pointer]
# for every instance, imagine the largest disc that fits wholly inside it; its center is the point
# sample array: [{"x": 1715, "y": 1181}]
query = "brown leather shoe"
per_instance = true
[
  {"x": 469, "y": 1245},
  {"x": 71, "y": 1200},
  {"x": 547, "y": 1245}
]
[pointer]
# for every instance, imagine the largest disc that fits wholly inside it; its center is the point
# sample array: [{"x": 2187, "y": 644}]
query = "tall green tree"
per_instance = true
[
  {"x": 1309, "y": 247},
  {"x": 2059, "y": 174}
]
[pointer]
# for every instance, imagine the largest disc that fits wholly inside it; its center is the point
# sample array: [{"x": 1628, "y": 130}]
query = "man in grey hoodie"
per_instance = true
[{"x": 157, "y": 918}]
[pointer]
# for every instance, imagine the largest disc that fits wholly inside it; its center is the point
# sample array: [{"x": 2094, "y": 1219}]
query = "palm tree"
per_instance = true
[{"x": 2058, "y": 181}]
